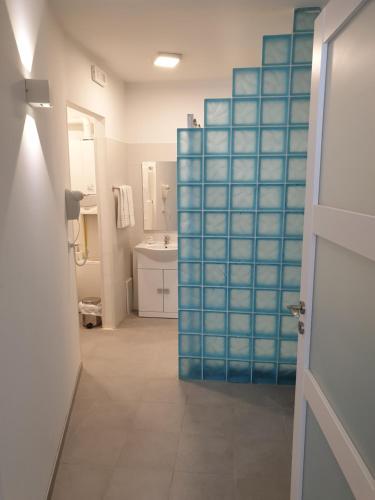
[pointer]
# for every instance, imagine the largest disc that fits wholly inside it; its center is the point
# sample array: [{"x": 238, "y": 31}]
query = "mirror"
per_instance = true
[{"x": 159, "y": 195}]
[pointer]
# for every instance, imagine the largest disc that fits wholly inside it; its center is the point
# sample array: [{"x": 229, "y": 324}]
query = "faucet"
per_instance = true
[{"x": 167, "y": 239}]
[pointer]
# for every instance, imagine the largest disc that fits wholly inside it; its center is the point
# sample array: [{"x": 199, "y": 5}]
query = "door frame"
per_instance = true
[{"x": 329, "y": 223}]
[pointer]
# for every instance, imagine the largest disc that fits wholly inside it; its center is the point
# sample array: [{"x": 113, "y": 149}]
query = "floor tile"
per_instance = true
[
  {"x": 149, "y": 449},
  {"x": 208, "y": 420},
  {"x": 260, "y": 423},
  {"x": 165, "y": 391},
  {"x": 80, "y": 482},
  {"x": 165, "y": 417},
  {"x": 187, "y": 486},
  {"x": 140, "y": 484},
  {"x": 93, "y": 446},
  {"x": 205, "y": 454},
  {"x": 210, "y": 393}
]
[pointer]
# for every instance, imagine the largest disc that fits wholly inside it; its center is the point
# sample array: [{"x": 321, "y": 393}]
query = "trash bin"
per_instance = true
[{"x": 91, "y": 311}]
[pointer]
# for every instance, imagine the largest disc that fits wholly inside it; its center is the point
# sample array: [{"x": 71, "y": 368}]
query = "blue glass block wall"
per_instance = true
[{"x": 241, "y": 190}]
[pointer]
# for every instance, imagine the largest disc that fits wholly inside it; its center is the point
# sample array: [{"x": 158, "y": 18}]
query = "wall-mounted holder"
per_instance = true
[
  {"x": 37, "y": 93},
  {"x": 72, "y": 205}
]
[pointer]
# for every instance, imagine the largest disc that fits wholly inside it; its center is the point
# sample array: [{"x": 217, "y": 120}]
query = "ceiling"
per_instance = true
[{"x": 213, "y": 35}]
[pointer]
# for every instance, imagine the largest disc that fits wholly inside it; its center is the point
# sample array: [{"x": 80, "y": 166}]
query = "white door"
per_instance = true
[
  {"x": 150, "y": 286},
  {"x": 170, "y": 291},
  {"x": 334, "y": 430}
]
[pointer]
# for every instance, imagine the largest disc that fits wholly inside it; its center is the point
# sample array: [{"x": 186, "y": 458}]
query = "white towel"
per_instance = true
[
  {"x": 129, "y": 196},
  {"x": 125, "y": 207},
  {"x": 122, "y": 208}
]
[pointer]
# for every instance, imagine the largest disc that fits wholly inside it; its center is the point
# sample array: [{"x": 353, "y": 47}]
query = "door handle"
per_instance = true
[
  {"x": 297, "y": 310},
  {"x": 166, "y": 290},
  {"x": 159, "y": 290}
]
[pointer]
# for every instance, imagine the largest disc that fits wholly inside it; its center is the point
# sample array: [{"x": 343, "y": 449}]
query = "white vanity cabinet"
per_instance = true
[{"x": 157, "y": 281}]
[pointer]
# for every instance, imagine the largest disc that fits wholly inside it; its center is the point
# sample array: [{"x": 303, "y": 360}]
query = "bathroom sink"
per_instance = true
[{"x": 157, "y": 250}]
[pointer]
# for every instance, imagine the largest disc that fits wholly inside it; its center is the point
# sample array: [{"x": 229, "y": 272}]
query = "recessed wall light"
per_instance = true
[{"x": 166, "y": 60}]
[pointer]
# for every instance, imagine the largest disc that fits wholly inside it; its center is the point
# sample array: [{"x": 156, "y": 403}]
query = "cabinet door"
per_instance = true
[
  {"x": 150, "y": 290},
  {"x": 170, "y": 290}
]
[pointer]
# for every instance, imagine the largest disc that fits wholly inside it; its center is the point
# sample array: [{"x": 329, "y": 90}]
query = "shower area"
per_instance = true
[{"x": 241, "y": 190}]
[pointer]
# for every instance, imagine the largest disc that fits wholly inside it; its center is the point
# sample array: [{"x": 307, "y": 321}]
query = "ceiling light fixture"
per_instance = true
[{"x": 167, "y": 60}]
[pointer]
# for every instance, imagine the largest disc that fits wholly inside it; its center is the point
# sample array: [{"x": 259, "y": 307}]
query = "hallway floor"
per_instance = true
[{"x": 138, "y": 433}]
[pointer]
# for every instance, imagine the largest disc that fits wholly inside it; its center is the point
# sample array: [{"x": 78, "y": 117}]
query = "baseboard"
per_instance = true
[{"x": 62, "y": 441}]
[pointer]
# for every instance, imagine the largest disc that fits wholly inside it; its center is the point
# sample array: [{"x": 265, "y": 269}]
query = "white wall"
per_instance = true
[
  {"x": 155, "y": 110},
  {"x": 39, "y": 347},
  {"x": 39, "y": 342}
]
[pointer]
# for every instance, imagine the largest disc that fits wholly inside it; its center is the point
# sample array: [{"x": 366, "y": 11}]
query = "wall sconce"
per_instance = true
[{"x": 37, "y": 93}]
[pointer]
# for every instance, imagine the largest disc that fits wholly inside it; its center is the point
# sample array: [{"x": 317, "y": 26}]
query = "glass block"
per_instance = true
[
  {"x": 242, "y": 197},
  {"x": 214, "y": 347},
  {"x": 214, "y": 322},
  {"x": 215, "y": 274},
  {"x": 286, "y": 374},
  {"x": 189, "y": 197},
  {"x": 239, "y": 371},
  {"x": 271, "y": 169},
  {"x": 215, "y": 223},
  {"x": 301, "y": 80},
  {"x": 274, "y": 111},
  {"x": 189, "y": 273},
  {"x": 215, "y": 298},
  {"x": 214, "y": 369},
  {"x": 299, "y": 110},
  {"x": 217, "y": 112},
  {"x": 275, "y": 81},
  {"x": 242, "y": 224},
  {"x": 189, "y": 169},
  {"x": 189, "y": 141},
  {"x": 295, "y": 197},
  {"x": 244, "y": 169},
  {"x": 190, "y": 368},
  {"x": 244, "y": 141},
  {"x": 288, "y": 351},
  {"x": 302, "y": 49},
  {"x": 276, "y": 49},
  {"x": 265, "y": 349},
  {"x": 246, "y": 82},
  {"x": 297, "y": 169},
  {"x": 245, "y": 112},
  {"x": 298, "y": 140},
  {"x": 239, "y": 348},
  {"x": 241, "y": 249},
  {"x": 266, "y": 324},
  {"x": 271, "y": 198},
  {"x": 270, "y": 224},
  {"x": 239, "y": 324},
  {"x": 190, "y": 297},
  {"x": 217, "y": 141},
  {"x": 215, "y": 249},
  {"x": 304, "y": 18},
  {"x": 288, "y": 298},
  {"x": 190, "y": 345},
  {"x": 293, "y": 250},
  {"x": 268, "y": 250},
  {"x": 216, "y": 169},
  {"x": 267, "y": 276},
  {"x": 264, "y": 373},
  {"x": 291, "y": 277},
  {"x": 189, "y": 321},
  {"x": 189, "y": 223},
  {"x": 289, "y": 325},
  {"x": 216, "y": 197},
  {"x": 266, "y": 301},
  {"x": 189, "y": 248},
  {"x": 240, "y": 299},
  {"x": 294, "y": 224},
  {"x": 240, "y": 274},
  {"x": 272, "y": 140}
]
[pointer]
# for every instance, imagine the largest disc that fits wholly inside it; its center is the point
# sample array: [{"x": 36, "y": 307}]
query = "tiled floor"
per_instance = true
[{"x": 138, "y": 433}]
